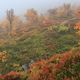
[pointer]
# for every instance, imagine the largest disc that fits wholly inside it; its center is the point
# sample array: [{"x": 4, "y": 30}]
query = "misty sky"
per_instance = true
[{"x": 20, "y": 6}]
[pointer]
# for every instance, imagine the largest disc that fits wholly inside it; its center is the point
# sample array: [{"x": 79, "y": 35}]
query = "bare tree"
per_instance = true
[{"x": 10, "y": 17}]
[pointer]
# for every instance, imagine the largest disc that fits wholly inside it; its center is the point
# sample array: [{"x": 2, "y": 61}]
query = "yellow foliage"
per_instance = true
[
  {"x": 15, "y": 65},
  {"x": 3, "y": 56},
  {"x": 50, "y": 28}
]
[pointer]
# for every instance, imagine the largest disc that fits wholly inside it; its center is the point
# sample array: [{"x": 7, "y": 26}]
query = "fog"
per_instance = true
[{"x": 20, "y": 6}]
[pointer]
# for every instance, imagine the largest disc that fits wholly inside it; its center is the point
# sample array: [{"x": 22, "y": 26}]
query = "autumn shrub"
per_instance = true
[
  {"x": 63, "y": 66},
  {"x": 77, "y": 26},
  {"x": 38, "y": 43},
  {"x": 11, "y": 76},
  {"x": 14, "y": 76},
  {"x": 3, "y": 56}
]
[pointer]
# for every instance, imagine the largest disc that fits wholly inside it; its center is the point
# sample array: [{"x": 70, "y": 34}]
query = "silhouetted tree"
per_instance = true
[{"x": 10, "y": 18}]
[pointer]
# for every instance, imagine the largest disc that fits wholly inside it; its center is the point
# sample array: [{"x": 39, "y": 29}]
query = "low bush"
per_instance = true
[{"x": 64, "y": 66}]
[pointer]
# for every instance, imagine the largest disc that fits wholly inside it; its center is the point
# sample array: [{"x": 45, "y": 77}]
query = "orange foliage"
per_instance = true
[
  {"x": 3, "y": 56},
  {"x": 48, "y": 69},
  {"x": 11, "y": 76},
  {"x": 77, "y": 26},
  {"x": 31, "y": 16}
]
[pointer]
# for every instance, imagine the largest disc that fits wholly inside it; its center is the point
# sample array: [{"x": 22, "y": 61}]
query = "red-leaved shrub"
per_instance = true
[{"x": 63, "y": 66}]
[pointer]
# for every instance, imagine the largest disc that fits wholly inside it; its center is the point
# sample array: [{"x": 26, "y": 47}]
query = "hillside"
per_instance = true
[{"x": 41, "y": 47}]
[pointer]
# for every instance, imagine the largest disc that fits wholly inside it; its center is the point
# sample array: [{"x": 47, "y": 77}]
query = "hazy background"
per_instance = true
[{"x": 20, "y": 6}]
